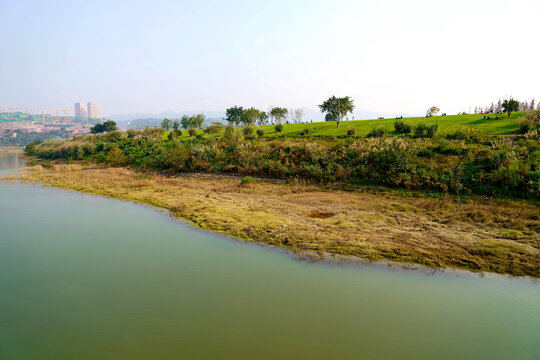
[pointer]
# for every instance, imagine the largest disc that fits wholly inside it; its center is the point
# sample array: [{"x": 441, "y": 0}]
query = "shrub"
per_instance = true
[
  {"x": 419, "y": 130},
  {"x": 231, "y": 136},
  {"x": 279, "y": 128},
  {"x": 377, "y": 132},
  {"x": 116, "y": 157},
  {"x": 177, "y": 158},
  {"x": 247, "y": 180},
  {"x": 215, "y": 128},
  {"x": 171, "y": 136},
  {"x": 402, "y": 127},
  {"x": 303, "y": 132},
  {"x": 131, "y": 133},
  {"x": 431, "y": 130},
  {"x": 350, "y": 132},
  {"x": 529, "y": 121},
  {"x": 467, "y": 134},
  {"x": 192, "y": 132},
  {"x": 248, "y": 131},
  {"x": 260, "y": 133}
]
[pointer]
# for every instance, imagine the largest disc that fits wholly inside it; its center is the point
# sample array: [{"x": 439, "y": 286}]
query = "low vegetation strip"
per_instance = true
[
  {"x": 478, "y": 235},
  {"x": 463, "y": 162}
]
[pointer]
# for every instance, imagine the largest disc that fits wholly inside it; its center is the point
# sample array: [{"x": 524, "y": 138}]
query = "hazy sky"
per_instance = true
[{"x": 151, "y": 56}]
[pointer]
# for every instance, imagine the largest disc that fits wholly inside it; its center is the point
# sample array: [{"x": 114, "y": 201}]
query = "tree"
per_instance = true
[
  {"x": 234, "y": 115},
  {"x": 329, "y": 117},
  {"x": 186, "y": 122},
  {"x": 338, "y": 108},
  {"x": 263, "y": 118},
  {"x": 167, "y": 124},
  {"x": 105, "y": 127},
  {"x": 297, "y": 115},
  {"x": 176, "y": 125},
  {"x": 532, "y": 107},
  {"x": 250, "y": 116},
  {"x": 433, "y": 111},
  {"x": 498, "y": 108},
  {"x": 510, "y": 105},
  {"x": 278, "y": 114},
  {"x": 198, "y": 120}
]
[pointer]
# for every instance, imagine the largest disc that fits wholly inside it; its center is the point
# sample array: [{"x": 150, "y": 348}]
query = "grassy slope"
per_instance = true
[{"x": 502, "y": 126}]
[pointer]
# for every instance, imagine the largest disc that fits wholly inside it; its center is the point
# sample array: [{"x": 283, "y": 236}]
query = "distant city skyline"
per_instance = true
[{"x": 390, "y": 56}]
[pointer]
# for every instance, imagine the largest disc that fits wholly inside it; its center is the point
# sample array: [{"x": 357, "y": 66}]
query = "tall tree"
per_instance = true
[
  {"x": 510, "y": 105},
  {"x": 176, "y": 124},
  {"x": 532, "y": 106},
  {"x": 107, "y": 126},
  {"x": 278, "y": 114},
  {"x": 186, "y": 122},
  {"x": 297, "y": 115},
  {"x": 167, "y": 124},
  {"x": 499, "y": 108},
  {"x": 433, "y": 111},
  {"x": 234, "y": 115},
  {"x": 250, "y": 116},
  {"x": 263, "y": 118},
  {"x": 338, "y": 108}
]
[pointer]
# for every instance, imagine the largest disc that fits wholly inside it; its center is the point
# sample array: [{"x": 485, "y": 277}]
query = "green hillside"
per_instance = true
[{"x": 503, "y": 126}]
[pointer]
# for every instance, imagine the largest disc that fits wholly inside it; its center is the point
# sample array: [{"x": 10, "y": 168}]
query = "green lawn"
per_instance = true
[{"x": 502, "y": 126}]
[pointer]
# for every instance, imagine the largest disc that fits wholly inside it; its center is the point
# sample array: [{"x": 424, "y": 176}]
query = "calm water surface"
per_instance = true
[{"x": 85, "y": 277}]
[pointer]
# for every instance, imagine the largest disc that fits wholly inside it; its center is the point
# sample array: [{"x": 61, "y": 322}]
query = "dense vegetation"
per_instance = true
[
  {"x": 26, "y": 137},
  {"x": 462, "y": 161}
]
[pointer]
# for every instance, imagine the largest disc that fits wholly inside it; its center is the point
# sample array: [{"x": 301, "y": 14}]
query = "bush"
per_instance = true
[
  {"x": 419, "y": 130},
  {"x": 303, "y": 132},
  {"x": 467, "y": 134},
  {"x": 215, "y": 128},
  {"x": 247, "y": 180},
  {"x": 260, "y": 133},
  {"x": 116, "y": 157},
  {"x": 171, "y": 136},
  {"x": 192, "y": 132},
  {"x": 377, "y": 132},
  {"x": 177, "y": 158},
  {"x": 431, "y": 130},
  {"x": 350, "y": 132},
  {"x": 402, "y": 127},
  {"x": 248, "y": 131},
  {"x": 279, "y": 128}
]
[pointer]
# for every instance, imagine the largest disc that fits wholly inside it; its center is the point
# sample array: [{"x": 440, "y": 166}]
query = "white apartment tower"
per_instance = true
[
  {"x": 93, "y": 110},
  {"x": 81, "y": 111}
]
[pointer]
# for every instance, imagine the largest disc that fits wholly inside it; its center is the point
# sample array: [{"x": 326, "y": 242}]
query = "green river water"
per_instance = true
[{"x": 86, "y": 277}]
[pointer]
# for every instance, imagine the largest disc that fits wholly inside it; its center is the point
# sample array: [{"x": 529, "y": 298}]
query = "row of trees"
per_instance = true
[
  {"x": 237, "y": 115},
  {"x": 499, "y": 106},
  {"x": 187, "y": 122}
]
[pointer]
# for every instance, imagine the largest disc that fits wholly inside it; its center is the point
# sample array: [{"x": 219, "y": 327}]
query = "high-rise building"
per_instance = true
[
  {"x": 81, "y": 111},
  {"x": 93, "y": 110}
]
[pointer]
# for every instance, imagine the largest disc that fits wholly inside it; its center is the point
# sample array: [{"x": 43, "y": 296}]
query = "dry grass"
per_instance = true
[{"x": 496, "y": 236}]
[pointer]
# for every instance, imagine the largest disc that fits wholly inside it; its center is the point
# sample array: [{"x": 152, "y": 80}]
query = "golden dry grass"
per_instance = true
[{"x": 497, "y": 236}]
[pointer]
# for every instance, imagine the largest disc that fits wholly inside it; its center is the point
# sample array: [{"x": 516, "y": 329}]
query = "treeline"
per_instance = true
[
  {"x": 507, "y": 105},
  {"x": 464, "y": 162},
  {"x": 22, "y": 138}
]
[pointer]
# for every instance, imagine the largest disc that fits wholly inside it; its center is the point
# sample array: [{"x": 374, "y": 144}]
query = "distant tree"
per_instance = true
[
  {"x": 433, "y": 111},
  {"x": 198, "y": 120},
  {"x": 167, "y": 124},
  {"x": 234, "y": 115},
  {"x": 476, "y": 110},
  {"x": 107, "y": 126},
  {"x": 532, "y": 106},
  {"x": 251, "y": 116},
  {"x": 263, "y": 118},
  {"x": 510, "y": 105},
  {"x": 176, "y": 125},
  {"x": 297, "y": 115},
  {"x": 498, "y": 108},
  {"x": 337, "y": 107},
  {"x": 186, "y": 122},
  {"x": 278, "y": 114},
  {"x": 491, "y": 108}
]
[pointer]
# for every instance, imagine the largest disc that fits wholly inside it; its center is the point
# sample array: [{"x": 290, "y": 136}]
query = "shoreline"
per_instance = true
[{"x": 384, "y": 227}]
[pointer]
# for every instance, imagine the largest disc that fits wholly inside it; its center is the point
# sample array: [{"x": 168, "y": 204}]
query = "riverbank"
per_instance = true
[{"x": 492, "y": 235}]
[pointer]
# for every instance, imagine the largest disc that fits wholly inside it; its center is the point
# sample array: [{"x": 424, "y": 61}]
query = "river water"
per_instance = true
[{"x": 86, "y": 277}]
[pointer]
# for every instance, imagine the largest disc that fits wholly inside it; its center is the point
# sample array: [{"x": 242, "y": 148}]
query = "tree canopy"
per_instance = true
[
  {"x": 107, "y": 126},
  {"x": 167, "y": 124},
  {"x": 510, "y": 105},
  {"x": 433, "y": 111},
  {"x": 338, "y": 108},
  {"x": 278, "y": 114},
  {"x": 191, "y": 122}
]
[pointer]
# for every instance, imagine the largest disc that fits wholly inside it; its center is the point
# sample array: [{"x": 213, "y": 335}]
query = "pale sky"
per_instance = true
[{"x": 150, "y": 56}]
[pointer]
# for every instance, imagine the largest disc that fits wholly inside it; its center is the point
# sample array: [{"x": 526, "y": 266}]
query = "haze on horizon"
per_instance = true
[{"x": 148, "y": 57}]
